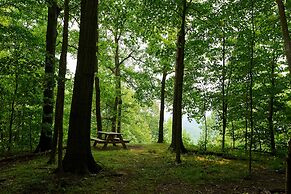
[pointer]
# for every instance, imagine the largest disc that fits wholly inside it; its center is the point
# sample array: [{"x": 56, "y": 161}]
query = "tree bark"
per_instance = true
[
  {"x": 162, "y": 108},
  {"x": 285, "y": 32},
  {"x": 178, "y": 87},
  {"x": 45, "y": 142},
  {"x": 78, "y": 158}
]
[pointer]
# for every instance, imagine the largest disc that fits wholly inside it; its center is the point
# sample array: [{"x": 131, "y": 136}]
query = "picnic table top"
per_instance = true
[{"x": 109, "y": 133}]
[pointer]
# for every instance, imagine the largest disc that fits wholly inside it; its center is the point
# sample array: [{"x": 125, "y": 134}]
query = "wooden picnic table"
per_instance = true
[{"x": 109, "y": 137}]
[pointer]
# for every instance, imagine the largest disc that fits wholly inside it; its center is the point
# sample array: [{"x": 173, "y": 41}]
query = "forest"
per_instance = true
[{"x": 73, "y": 70}]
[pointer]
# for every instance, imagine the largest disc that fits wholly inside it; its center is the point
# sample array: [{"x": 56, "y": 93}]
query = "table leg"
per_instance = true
[
  {"x": 106, "y": 142},
  {"x": 121, "y": 141}
]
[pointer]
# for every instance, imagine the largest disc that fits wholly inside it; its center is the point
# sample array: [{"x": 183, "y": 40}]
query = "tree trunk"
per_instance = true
[
  {"x": 206, "y": 132},
  {"x": 224, "y": 104},
  {"x": 12, "y": 112},
  {"x": 78, "y": 158},
  {"x": 246, "y": 122},
  {"x": 288, "y": 170},
  {"x": 116, "y": 106},
  {"x": 97, "y": 83},
  {"x": 233, "y": 135},
  {"x": 271, "y": 110},
  {"x": 119, "y": 108},
  {"x": 285, "y": 32},
  {"x": 178, "y": 87},
  {"x": 58, "y": 128},
  {"x": 162, "y": 108},
  {"x": 45, "y": 142},
  {"x": 251, "y": 86},
  {"x": 98, "y": 105}
]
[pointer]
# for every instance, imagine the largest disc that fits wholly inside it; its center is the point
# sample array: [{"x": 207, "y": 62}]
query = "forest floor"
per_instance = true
[{"x": 147, "y": 169}]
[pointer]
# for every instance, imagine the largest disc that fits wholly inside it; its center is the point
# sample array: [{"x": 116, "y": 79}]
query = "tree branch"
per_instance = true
[{"x": 122, "y": 61}]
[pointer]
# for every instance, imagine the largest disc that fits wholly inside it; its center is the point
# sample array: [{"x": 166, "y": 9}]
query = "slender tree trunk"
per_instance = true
[
  {"x": 119, "y": 108},
  {"x": 97, "y": 83},
  {"x": 233, "y": 136},
  {"x": 251, "y": 86},
  {"x": 285, "y": 32},
  {"x": 246, "y": 122},
  {"x": 162, "y": 107},
  {"x": 78, "y": 158},
  {"x": 118, "y": 96},
  {"x": 30, "y": 133},
  {"x": 45, "y": 142},
  {"x": 178, "y": 87},
  {"x": 224, "y": 104},
  {"x": 206, "y": 131},
  {"x": 271, "y": 110},
  {"x": 58, "y": 128},
  {"x": 288, "y": 170},
  {"x": 12, "y": 112},
  {"x": 116, "y": 118},
  {"x": 98, "y": 105}
]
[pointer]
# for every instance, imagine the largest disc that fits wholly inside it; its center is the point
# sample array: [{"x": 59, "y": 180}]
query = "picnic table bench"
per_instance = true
[{"x": 109, "y": 137}]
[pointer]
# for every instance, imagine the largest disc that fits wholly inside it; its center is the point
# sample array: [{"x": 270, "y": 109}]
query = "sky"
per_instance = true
[{"x": 192, "y": 128}]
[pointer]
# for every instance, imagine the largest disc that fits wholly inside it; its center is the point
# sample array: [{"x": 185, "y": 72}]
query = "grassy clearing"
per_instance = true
[{"x": 146, "y": 169}]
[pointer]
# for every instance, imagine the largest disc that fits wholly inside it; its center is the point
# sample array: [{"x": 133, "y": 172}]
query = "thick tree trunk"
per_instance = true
[
  {"x": 285, "y": 32},
  {"x": 45, "y": 142},
  {"x": 78, "y": 158},
  {"x": 162, "y": 108},
  {"x": 288, "y": 171},
  {"x": 271, "y": 110},
  {"x": 58, "y": 128},
  {"x": 12, "y": 112},
  {"x": 178, "y": 87}
]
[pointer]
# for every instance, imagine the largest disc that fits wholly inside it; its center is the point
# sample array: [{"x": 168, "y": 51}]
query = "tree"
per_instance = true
[
  {"x": 45, "y": 141},
  {"x": 178, "y": 87},
  {"x": 78, "y": 158},
  {"x": 58, "y": 127},
  {"x": 162, "y": 107}
]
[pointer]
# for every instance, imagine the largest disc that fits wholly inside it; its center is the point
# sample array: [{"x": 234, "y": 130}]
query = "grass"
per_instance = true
[{"x": 145, "y": 169}]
